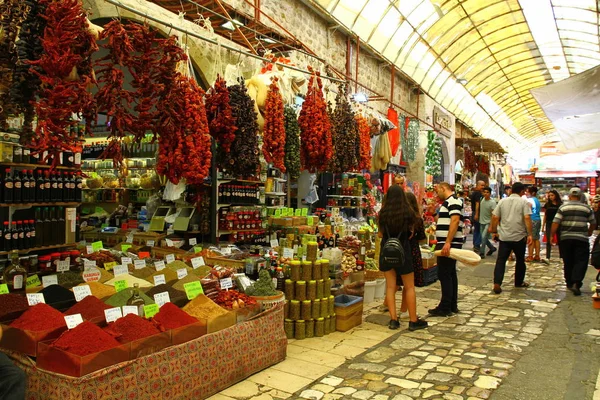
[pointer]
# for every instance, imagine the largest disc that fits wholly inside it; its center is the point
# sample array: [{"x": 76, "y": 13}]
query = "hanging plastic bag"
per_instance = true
[{"x": 173, "y": 192}]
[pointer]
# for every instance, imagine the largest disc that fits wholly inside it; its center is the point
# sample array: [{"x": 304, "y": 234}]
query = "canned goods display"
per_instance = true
[
  {"x": 324, "y": 307},
  {"x": 295, "y": 268},
  {"x": 320, "y": 327},
  {"x": 320, "y": 292},
  {"x": 312, "y": 290},
  {"x": 307, "y": 269},
  {"x": 310, "y": 328},
  {"x": 327, "y": 325},
  {"x": 286, "y": 309},
  {"x": 300, "y": 330},
  {"x": 324, "y": 268},
  {"x": 306, "y": 310},
  {"x": 289, "y": 289},
  {"x": 312, "y": 248},
  {"x": 332, "y": 327},
  {"x": 316, "y": 270},
  {"x": 327, "y": 287},
  {"x": 330, "y": 305},
  {"x": 316, "y": 308},
  {"x": 300, "y": 290},
  {"x": 288, "y": 326},
  {"x": 294, "y": 310}
]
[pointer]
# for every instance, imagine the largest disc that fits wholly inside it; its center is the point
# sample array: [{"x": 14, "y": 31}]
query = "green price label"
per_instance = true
[
  {"x": 110, "y": 265},
  {"x": 151, "y": 310},
  {"x": 298, "y": 212},
  {"x": 197, "y": 249},
  {"x": 4, "y": 288},
  {"x": 97, "y": 246},
  {"x": 125, "y": 247},
  {"x": 278, "y": 213},
  {"x": 309, "y": 221},
  {"x": 304, "y": 212},
  {"x": 33, "y": 281},
  {"x": 193, "y": 289},
  {"x": 120, "y": 285}
]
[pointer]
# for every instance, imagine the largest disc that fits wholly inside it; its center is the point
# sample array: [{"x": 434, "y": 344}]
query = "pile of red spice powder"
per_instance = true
[
  {"x": 40, "y": 317},
  {"x": 90, "y": 307},
  {"x": 131, "y": 327},
  {"x": 10, "y": 303},
  {"x": 86, "y": 338},
  {"x": 170, "y": 317}
]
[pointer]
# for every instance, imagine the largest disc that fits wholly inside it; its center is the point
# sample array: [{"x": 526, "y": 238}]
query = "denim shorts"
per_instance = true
[{"x": 536, "y": 226}]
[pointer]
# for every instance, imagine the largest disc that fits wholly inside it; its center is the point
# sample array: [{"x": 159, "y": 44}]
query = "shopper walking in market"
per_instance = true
[
  {"x": 576, "y": 222},
  {"x": 486, "y": 207},
  {"x": 553, "y": 202},
  {"x": 398, "y": 220},
  {"x": 533, "y": 253},
  {"x": 416, "y": 237},
  {"x": 449, "y": 234},
  {"x": 511, "y": 220},
  {"x": 476, "y": 197}
]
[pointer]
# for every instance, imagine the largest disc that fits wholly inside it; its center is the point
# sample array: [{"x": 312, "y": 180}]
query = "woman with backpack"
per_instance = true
[{"x": 397, "y": 223}]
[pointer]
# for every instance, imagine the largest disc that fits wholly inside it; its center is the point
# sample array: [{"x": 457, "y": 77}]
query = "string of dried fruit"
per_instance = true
[
  {"x": 184, "y": 141},
  {"x": 112, "y": 99},
  {"x": 244, "y": 149},
  {"x": 274, "y": 129},
  {"x": 65, "y": 72},
  {"x": 364, "y": 130},
  {"x": 220, "y": 121},
  {"x": 12, "y": 13},
  {"x": 470, "y": 163},
  {"x": 292, "y": 143},
  {"x": 482, "y": 164},
  {"x": 346, "y": 138},
  {"x": 316, "y": 147}
]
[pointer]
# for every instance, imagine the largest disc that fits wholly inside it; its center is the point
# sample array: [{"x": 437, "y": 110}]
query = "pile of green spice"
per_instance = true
[{"x": 119, "y": 299}]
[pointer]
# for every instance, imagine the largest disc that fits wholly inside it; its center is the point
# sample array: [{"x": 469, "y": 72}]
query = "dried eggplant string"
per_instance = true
[
  {"x": 244, "y": 149},
  {"x": 346, "y": 137}
]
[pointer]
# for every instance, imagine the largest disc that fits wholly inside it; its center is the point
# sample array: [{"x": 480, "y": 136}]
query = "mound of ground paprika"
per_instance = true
[
  {"x": 40, "y": 317},
  {"x": 131, "y": 327},
  {"x": 170, "y": 317},
  {"x": 90, "y": 307},
  {"x": 11, "y": 303},
  {"x": 86, "y": 338}
]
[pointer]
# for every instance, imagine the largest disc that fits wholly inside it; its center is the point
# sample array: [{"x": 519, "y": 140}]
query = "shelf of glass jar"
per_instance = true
[{"x": 346, "y": 202}]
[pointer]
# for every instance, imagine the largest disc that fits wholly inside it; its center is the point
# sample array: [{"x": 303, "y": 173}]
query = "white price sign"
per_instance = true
[
  {"x": 162, "y": 298},
  {"x": 88, "y": 264},
  {"x": 198, "y": 262},
  {"x": 159, "y": 280},
  {"x": 170, "y": 258},
  {"x": 73, "y": 320},
  {"x": 89, "y": 249},
  {"x": 35, "y": 298},
  {"x": 169, "y": 243},
  {"x": 63, "y": 266},
  {"x": 120, "y": 270},
  {"x": 226, "y": 251},
  {"x": 129, "y": 239},
  {"x": 274, "y": 243},
  {"x": 81, "y": 292},
  {"x": 139, "y": 264},
  {"x": 170, "y": 231},
  {"x": 295, "y": 249},
  {"x": 159, "y": 265},
  {"x": 49, "y": 280},
  {"x": 126, "y": 260},
  {"x": 150, "y": 243},
  {"x": 130, "y": 310},
  {"x": 193, "y": 242},
  {"x": 181, "y": 273},
  {"x": 288, "y": 253},
  {"x": 226, "y": 283},
  {"x": 113, "y": 314}
]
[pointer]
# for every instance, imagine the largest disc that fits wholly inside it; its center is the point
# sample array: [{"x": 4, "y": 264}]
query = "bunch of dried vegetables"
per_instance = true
[
  {"x": 244, "y": 149},
  {"x": 274, "y": 129},
  {"x": 292, "y": 143},
  {"x": 346, "y": 138},
  {"x": 220, "y": 121},
  {"x": 316, "y": 147},
  {"x": 364, "y": 131}
]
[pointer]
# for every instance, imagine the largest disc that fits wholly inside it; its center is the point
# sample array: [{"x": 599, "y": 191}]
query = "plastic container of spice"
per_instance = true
[
  {"x": 300, "y": 290},
  {"x": 294, "y": 310},
  {"x": 311, "y": 291},
  {"x": 45, "y": 263},
  {"x": 324, "y": 307},
  {"x": 324, "y": 268},
  {"x": 288, "y": 326},
  {"x": 311, "y": 251},
  {"x": 289, "y": 289},
  {"x": 330, "y": 305},
  {"x": 320, "y": 292},
  {"x": 286, "y": 309},
  {"x": 310, "y": 328},
  {"x": 332, "y": 327},
  {"x": 317, "y": 270},
  {"x": 327, "y": 325},
  {"x": 33, "y": 260},
  {"x": 306, "y": 310},
  {"x": 316, "y": 308},
  {"x": 300, "y": 330},
  {"x": 54, "y": 259},
  {"x": 76, "y": 260},
  {"x": 320, "y": 327},
  {"x": 327, "y": 287},
  {"x": 307, "y": 267},
  {"x": 295, "y": 267}
]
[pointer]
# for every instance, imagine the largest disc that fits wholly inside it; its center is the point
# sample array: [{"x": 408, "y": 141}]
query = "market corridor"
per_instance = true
[{"x": 538, "y": 343}]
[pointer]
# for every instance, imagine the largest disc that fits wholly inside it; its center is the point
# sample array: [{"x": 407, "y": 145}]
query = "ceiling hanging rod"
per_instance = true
[{"x": 169, "y": 25}]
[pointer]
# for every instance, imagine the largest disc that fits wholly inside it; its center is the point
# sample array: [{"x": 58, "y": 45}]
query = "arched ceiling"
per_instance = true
[{"x": 480, "y": 58}]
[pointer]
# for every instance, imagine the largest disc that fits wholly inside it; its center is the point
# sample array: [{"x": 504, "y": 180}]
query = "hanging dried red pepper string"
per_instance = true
[
  {"x": 365, "y": 142},
  {"x": 274, "y": 129},
  {"x": 316, "y": 148},
  {"x": 220, "y": 121}
]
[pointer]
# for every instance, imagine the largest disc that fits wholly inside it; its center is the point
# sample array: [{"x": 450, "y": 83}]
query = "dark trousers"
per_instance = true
[
  {"x": 476, "y": 234},
  {"x": 549, "y": 240},
  {"x": 13, "y": 380},
  {"x": 449, "y": 281},
  {"x": 504, "y": 251},
  {"x": 575, "y": 255}
]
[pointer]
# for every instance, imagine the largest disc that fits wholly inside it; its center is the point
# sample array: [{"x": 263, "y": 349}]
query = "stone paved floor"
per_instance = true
[{"x": 466, "y": 356}]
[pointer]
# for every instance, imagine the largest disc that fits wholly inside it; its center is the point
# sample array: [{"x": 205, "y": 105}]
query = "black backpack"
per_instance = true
[
  {"x": 595, "y": 257},
  {"x": 392, "y": 254}
]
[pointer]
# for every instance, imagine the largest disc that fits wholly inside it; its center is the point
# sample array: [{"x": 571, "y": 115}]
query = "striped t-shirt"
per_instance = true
[
  {"x": 452, "y": 206},
  {"x": 574, "y": 217}
]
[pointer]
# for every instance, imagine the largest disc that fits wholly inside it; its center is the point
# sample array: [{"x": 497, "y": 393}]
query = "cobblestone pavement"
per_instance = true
[{"x": 466, "y": 356}]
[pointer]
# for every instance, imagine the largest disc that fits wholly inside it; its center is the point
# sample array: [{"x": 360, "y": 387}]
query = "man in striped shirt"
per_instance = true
[
  {"x": 576, "y": 221},
  {"x": 449, "y": 234}
]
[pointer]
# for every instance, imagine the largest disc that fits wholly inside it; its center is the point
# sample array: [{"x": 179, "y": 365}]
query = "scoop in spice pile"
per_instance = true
[
  {"x": 86, "y": 338},
  {"x": 171, "y": 317},
  {"x": 90, "y": 307},
  {"x": 131, "y": 327},
  {"x": 40, "y": 317}
]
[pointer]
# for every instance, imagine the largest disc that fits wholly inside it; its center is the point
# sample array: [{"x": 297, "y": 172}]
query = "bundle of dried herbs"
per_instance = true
[
  {"x": 292, "y": 143},
  {"x": 244, "y": 149},
  {"x": 346, "y": 138}
]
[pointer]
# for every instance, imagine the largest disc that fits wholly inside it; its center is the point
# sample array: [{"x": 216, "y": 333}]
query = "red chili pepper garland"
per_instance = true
[
  {"x": 365, "y": 143},
  {"x": 65, "y": 72},
  {"x": 316, "y": 147},
  {"x": 274, "y": 129},
  {"x": 220, "y": 120}
]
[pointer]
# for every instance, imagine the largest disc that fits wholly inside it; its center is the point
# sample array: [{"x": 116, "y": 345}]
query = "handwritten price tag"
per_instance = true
[
  {"x": 126, "y": 260},
  {"x": 125, "y": 247},
  {"x": 49, "y": 280},
  {"x": 35, "y": 298},
  {"x": 181, "y": 273},
  {"x": 63, "y": 266},
  {"x": 226, "y": 283},
  {"x": 130, "y": 310},
  {"x": 129, "y": 239},
  {"x": 113, "y": 314},
  {"x": 288, "y": 253},
  {"x": 33, "y": 281},
  {"x": 4, "y": 288},
  {"x": 90, "y": 264},
  {"x": 89, "y": 249},
  {"x": 121, "y": 270},
  {"x": 193, "y": 289},
  {"x": 162, "y": 298},
  {"x": 159, "y": 280},
  {"x": 120, "y": 285},
  {"x": 109, "y": 266},
  {"x": 151, "y": 310},
  {"x": 139, "y": 264},
  {"x": 170, "y": 258},
  {"x": 150, "y": 243},
  {"x": 73, "y": 320},
  {"x": 193, "y": 242},
  {"x": 81, "y": 292},
  {"x": 159, "y": 265},
  {"x": 197, "y": 262},
  {"x": 274, "y": 243},
  {"x": 97, "y": 246}
]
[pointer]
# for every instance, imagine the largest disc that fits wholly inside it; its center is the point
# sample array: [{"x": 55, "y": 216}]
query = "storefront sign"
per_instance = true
[{"x": 442, "y": 122}]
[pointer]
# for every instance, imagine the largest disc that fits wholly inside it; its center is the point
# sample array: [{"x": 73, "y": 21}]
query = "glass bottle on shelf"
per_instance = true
[
  {"x": 7, "y": 187},
  {"x": 15, "y": 274},
  {"x": 136, "y": 300},
  {"x": 47, "y": 187},
  {"x": 40, "y": 186},
  {"x": 18, "y": 187},
  {"x": 7, "y": 236}
]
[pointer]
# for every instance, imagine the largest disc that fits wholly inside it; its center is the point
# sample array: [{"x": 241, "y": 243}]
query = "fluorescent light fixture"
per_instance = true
[
  {"x": 462, "y": 81},
  {"x": 229, "y": 25},
  {"x": 267, "y": 40},
  {"x": 540, "y": 18},
  {"x": 360, "y": 97}
]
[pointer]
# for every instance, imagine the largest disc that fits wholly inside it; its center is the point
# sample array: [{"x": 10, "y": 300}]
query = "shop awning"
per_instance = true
[{"x": 566, "y": 174}]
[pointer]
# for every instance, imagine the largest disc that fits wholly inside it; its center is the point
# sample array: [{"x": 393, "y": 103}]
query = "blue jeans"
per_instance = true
[
  {"x": 476, "y": 234},
  {"x": 485, "y": 239}
]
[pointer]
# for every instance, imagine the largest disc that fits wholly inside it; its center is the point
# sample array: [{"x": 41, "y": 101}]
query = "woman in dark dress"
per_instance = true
[
  {"x": 397, "y": 219},
  {"x": 553, "y": 202},
  {"x": 418, "y": 235}
]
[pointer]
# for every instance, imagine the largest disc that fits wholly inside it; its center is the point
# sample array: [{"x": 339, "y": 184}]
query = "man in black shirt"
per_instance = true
[{"x": 475, "y": 200}]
